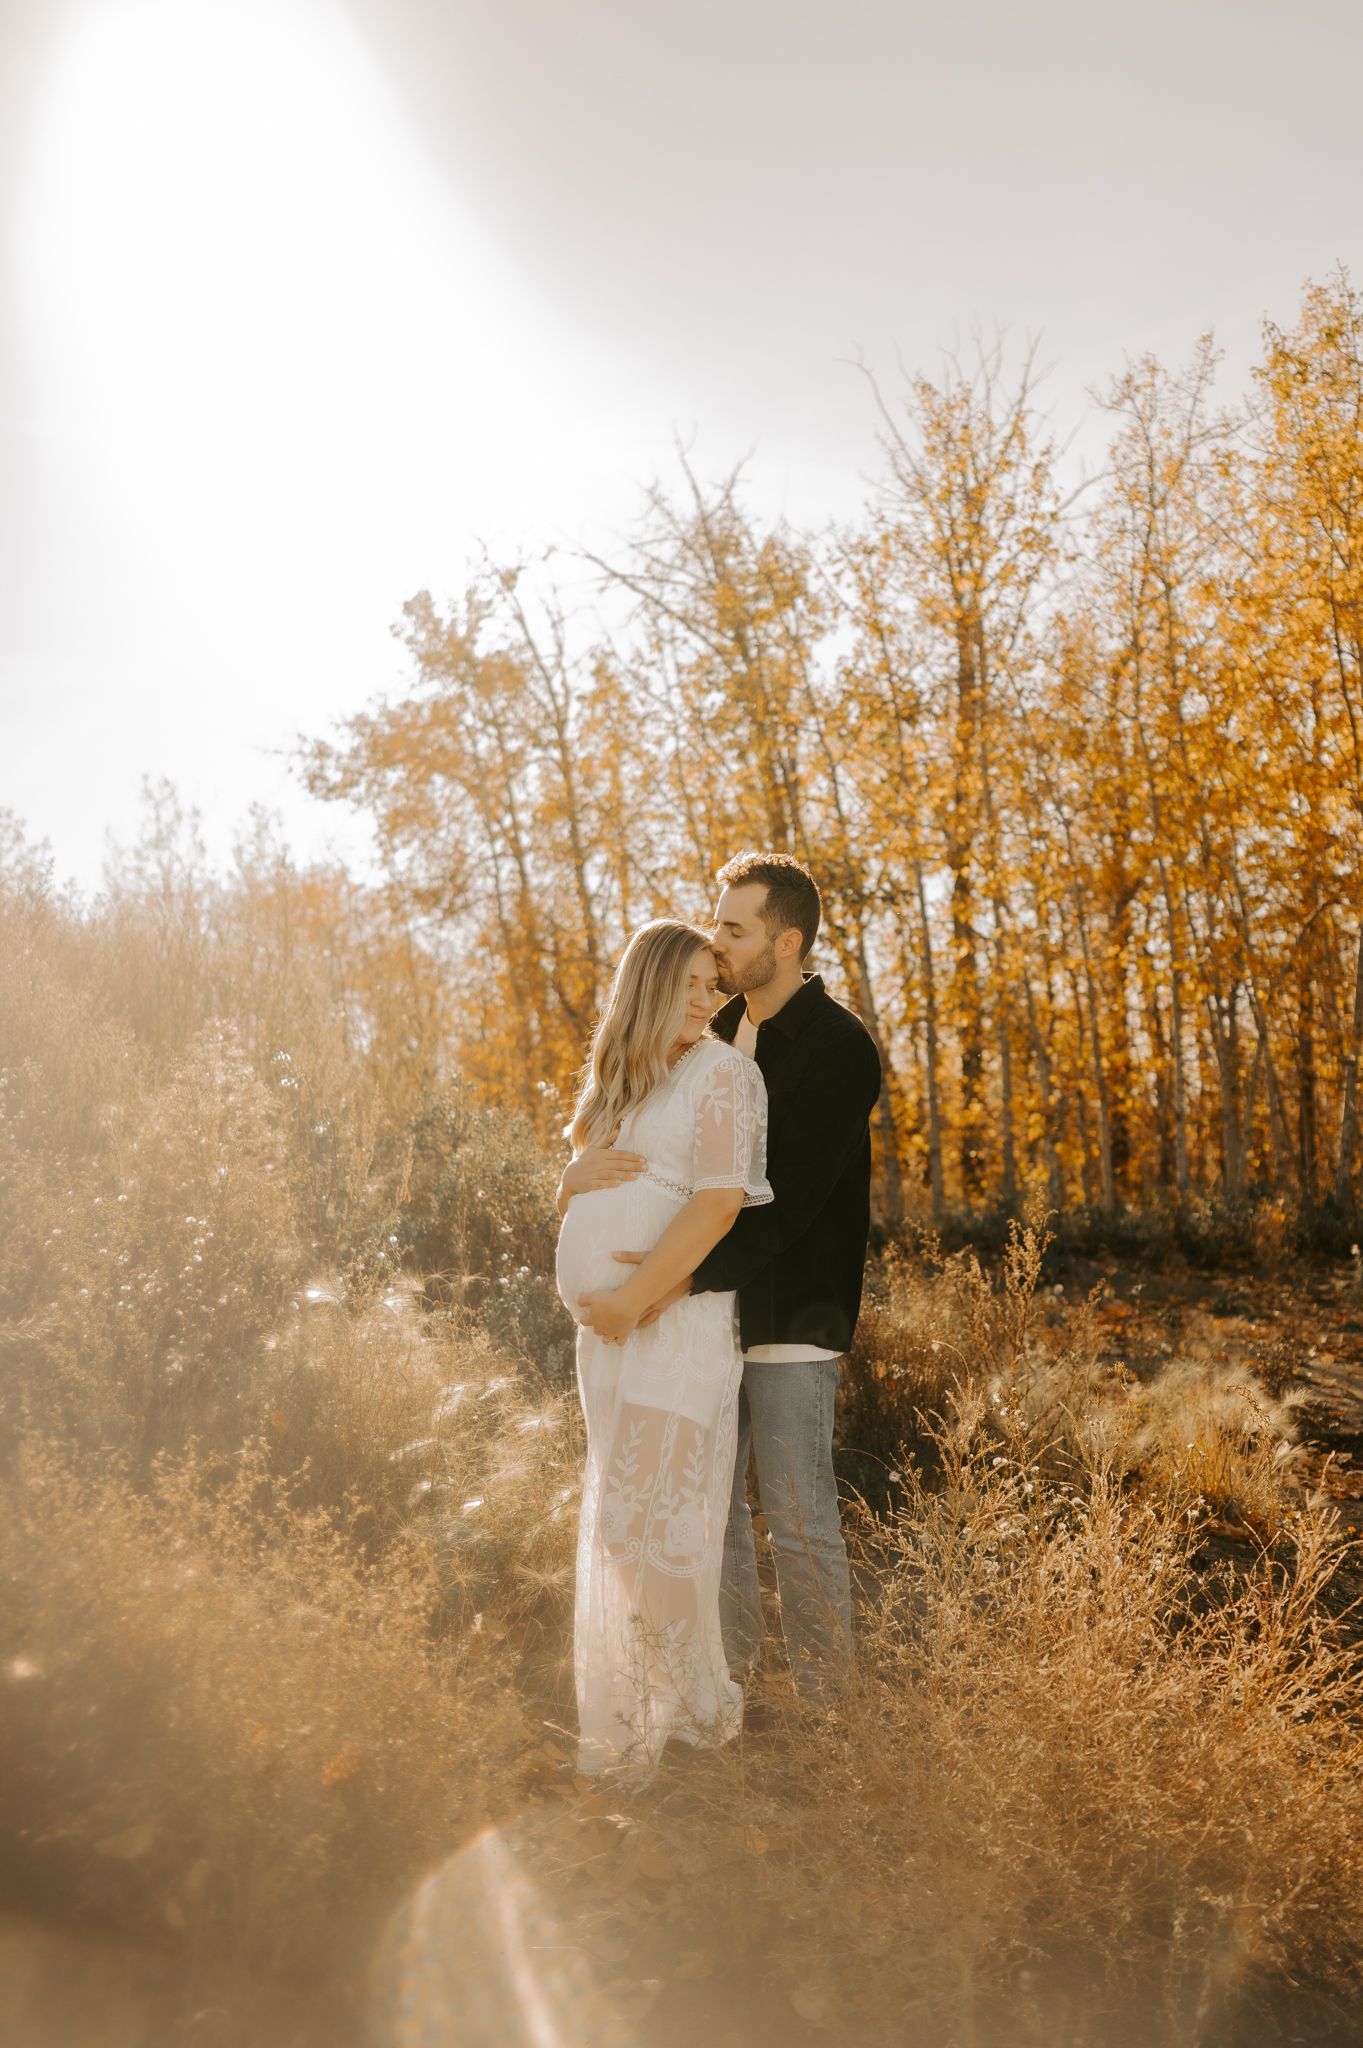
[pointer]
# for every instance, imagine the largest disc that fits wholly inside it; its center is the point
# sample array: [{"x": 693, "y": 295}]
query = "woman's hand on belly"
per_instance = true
[{"x": 612, "y": 1312}]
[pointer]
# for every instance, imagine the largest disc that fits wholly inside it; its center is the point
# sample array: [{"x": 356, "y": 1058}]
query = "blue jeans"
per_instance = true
[{"x": 785, "y": 1418}]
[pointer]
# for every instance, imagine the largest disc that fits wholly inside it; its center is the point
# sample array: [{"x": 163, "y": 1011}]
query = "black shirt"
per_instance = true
[{"x": 797, "y": 1262}]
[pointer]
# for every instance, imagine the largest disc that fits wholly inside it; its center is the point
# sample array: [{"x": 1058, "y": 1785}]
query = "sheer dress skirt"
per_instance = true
[{"x": 661, "y": 1414}]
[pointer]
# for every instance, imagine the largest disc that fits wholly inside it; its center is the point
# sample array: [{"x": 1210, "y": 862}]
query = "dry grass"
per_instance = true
[
  {"x": 1207, "y": 1437},
  {"x": 288, "y": 1458},
  {"x": 1068, "y": 1796},
  {"x": 243, "y": 1723},
  {"x": 218, "y": 1714}
]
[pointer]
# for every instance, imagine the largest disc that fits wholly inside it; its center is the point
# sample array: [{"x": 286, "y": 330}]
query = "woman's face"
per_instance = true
[{"x": 701, "y": 992}]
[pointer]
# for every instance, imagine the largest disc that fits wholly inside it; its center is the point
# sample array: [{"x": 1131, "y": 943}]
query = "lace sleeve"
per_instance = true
[{"x": 731, "y": 1130}]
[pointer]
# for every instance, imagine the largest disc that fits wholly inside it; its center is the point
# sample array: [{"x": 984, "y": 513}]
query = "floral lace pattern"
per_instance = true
[
  {"x": 661, "y": 1515},
  {"x": 731, "y": 1128},
  {"x": 730, "y": 1150}
]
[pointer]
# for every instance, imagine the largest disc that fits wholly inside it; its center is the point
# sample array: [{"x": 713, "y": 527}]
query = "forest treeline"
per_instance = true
[{"x": 1080, "y": 773}]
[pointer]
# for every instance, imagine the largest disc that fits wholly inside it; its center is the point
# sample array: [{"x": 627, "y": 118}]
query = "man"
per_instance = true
[{"x": 797, "y": 1263}]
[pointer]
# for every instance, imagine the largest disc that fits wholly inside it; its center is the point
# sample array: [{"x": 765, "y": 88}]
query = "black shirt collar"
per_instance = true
[{"x": 790, "y": 1020}]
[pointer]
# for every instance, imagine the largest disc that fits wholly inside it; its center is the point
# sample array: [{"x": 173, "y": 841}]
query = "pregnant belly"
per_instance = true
[{"x": 630, "y": 1218}]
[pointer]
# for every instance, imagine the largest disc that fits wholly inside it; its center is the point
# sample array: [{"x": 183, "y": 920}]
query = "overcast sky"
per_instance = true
[{"x": 300, "y": 299}]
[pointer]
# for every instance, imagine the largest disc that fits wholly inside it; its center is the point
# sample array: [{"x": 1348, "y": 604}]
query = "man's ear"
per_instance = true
[{"x": 788, "y": 944}]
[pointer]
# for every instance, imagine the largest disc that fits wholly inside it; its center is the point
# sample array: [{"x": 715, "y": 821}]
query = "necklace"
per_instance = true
[{"x": 682, "y": 1058}]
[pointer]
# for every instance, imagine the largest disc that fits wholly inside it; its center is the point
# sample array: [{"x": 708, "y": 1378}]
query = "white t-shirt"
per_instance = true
[{"x": 745, "y": 1038}]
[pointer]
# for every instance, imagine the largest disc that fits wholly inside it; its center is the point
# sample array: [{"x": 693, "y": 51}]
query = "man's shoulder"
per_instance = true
[
  {"x": 835, "y": 1020},
  {"x": 835, "y": 1050}
]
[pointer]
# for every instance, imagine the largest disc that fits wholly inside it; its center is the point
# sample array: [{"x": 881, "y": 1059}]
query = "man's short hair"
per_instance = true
[{"x": 792, "y": 901}]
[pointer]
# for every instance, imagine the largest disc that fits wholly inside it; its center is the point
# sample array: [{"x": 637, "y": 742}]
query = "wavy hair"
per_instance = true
[{"x": 639, "y": 1024}]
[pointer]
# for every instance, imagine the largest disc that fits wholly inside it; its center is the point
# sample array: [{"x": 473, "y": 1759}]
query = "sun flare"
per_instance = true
[{"x": 251, "y": 298}]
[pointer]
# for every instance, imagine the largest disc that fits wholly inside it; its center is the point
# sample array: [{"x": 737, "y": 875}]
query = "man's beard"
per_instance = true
[{"x": 736, "y": 981}]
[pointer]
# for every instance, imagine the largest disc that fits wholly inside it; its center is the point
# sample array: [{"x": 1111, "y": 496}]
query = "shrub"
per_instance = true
[
  {"x": 938, "y": 1329},
  {"x": 478, "y": 1222},
  {"x": 935, "y": 1323},
  {"x": 163, "y": 1262}
]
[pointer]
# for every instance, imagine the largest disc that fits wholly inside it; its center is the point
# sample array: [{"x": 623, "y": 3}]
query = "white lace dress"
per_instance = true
[{"x": 662, "y": 1422}]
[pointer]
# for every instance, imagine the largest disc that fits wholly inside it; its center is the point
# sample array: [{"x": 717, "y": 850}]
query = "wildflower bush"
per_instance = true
[
  {"x": 213, "y": 1100},
  {"x": 161, "y": 1263}
]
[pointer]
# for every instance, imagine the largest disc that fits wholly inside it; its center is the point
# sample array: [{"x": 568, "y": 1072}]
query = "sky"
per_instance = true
[{"x": 303, "y": 303}]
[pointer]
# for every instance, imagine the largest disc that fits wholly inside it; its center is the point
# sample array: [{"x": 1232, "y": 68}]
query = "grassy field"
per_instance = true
[{"x": 288, "y": 1459}]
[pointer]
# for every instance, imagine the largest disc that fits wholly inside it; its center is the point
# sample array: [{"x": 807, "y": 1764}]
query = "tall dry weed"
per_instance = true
[
  {"x": 213, "y": 1098},
  {"x": 163, "y": 1261},
  {"x": 937, "y": 1323},
  {"x": 1066, "y": 1795},
  {"x": 478, "y": 1221},
  {"x": 217, "y": 1718},
  {"x": 232, "y": 1718},
  {"x": 940, "y": 1329}
]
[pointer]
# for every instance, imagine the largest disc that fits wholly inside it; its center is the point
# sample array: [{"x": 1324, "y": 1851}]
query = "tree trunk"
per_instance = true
[
  {"x": 1277, "y": 1114},
  {"x": 1180, "y": 1090},
  {"x": 1233, "y": 1155},
  {"x": 935, "y": 1178},
  {"x": 1118, "y": 1062},
  {"x": 1055, "y": 1178},
  {"x": 1081, "y": 1105},
  {"x": 1009, "y": 1175},
  {"x": 1348, "y": 1115},
  {"x": 966, "y": 999},
  {"x": 1106, "y": 1176},
  {"x": 966, "y": 1007},
  {"x": 1247, "y": 1124},
  {"x": 1306, "y": 1077},
  {"x": 857, "y": 970}
]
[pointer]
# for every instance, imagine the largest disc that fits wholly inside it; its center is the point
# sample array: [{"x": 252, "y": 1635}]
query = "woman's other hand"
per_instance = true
[
  {"x": 600, "y": 1166},
  {"x": 612, "y": 1312}
]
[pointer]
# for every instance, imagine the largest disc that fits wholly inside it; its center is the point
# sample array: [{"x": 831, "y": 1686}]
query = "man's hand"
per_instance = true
[
  {"x": 612, "y": 1312},
  {"x": 600, "y": 1166},
  {"x": 674, "y": 1294}
]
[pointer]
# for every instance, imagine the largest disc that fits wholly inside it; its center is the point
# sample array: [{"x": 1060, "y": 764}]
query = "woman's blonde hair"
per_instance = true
[{"x": 639, "y": 1024}]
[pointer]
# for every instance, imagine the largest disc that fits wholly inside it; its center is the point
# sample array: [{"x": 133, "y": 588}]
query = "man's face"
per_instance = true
[{"x": 745, "y": 952}]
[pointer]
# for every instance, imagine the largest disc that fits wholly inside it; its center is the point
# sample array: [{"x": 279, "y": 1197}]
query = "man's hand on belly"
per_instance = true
[{"x": 674, "y": 1294}]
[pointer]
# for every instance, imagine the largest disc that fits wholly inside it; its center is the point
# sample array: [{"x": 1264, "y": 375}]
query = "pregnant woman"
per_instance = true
[{"x": 660, "y": 1397}]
